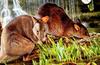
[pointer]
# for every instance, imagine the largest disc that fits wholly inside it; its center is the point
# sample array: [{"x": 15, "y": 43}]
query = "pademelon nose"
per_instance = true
[
  {"x": 84, "y": 36},
  {"x": 80, "y": 36}
]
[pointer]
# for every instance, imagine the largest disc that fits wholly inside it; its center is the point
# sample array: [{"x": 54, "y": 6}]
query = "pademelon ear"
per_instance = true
[
  {"x": 45, "y": 19},
  {"x": 76, "y": 27}
]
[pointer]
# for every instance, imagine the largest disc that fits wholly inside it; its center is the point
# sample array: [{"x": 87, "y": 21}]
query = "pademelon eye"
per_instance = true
[{"x": 36, "y": 28}]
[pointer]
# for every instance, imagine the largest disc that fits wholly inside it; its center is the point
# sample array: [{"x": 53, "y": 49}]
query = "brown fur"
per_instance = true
[
  {"x": 17, "y": 37},
  {"x": 59, "y": 23}
]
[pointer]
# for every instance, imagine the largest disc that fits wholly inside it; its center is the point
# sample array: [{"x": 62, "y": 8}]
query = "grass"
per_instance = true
[
  {"x": 68, "y": 51},
  {"x": 58, "y": 53}
]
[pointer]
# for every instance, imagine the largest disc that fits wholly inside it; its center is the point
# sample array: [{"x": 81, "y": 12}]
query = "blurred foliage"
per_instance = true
[
  {"x": 23, "y": 3},
  {"x": 91, "y": 6}
]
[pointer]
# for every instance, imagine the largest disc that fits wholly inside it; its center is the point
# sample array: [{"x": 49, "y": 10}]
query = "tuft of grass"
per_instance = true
[
  {"x": 34, "y": 62},
  {"x": 58, "y": 52}
]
